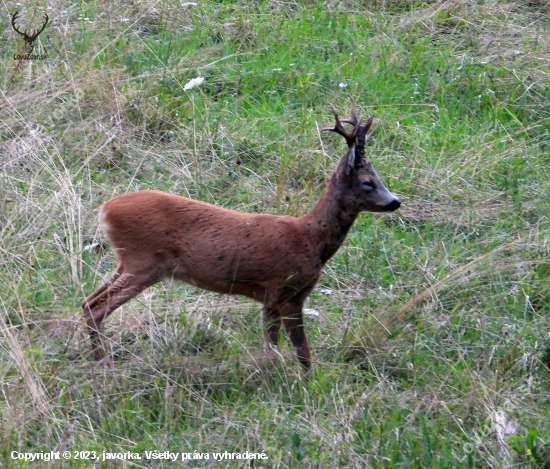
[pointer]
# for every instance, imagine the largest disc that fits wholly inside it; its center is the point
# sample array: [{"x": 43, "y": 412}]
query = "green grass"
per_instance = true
[{"x": 432, "y": 344}]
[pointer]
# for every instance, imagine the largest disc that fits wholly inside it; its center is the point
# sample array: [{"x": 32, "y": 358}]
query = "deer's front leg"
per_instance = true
[
  {"x": 272, "y": 326},
  {"x": 293, "y": 320}
]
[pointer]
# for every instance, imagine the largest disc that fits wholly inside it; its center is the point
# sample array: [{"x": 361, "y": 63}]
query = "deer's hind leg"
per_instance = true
[
  {"x": 91, "y": 301},
  {"x": 120, "y": 288}
]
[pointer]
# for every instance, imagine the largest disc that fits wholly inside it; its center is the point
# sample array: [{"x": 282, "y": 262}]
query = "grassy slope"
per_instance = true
[{"x": 437, "y": 324}]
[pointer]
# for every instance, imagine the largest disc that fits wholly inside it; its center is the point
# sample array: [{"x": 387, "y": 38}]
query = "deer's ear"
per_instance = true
[
  {"x": 347, "y": 162},
  {"x": 351, "y": 160}
]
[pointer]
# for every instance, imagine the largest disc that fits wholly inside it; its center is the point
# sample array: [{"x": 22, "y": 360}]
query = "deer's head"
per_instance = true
[{"x": 360, "y": 184}]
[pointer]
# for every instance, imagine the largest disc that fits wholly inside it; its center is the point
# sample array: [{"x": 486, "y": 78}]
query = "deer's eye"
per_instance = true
[{"x": 369, "y": 186}]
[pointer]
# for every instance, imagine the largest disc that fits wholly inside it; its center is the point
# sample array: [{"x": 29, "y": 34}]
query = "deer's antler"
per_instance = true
[
  {"x": 361, "y": 138},
  {"x": 339, "y": 128}
]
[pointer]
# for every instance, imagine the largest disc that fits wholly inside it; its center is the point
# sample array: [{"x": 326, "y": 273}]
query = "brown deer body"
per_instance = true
[{"x": 275, "y": 260}]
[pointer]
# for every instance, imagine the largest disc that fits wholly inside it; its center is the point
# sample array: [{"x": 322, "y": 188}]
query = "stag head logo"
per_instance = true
[{"x": 28, "y": 37}]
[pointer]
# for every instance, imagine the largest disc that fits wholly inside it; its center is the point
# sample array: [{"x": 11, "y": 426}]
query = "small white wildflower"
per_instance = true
[
  {"x": 343, "y": 85},
  {"x": 124, "y": 20},
  {"x": 91, "y": 246},
  {"x": 276, "y": 69},
  {"x": 311, "y": 312},
  {"x": 326, "y": 291},
  {"x": 193, "y": 83},
  {"x": 187, "y": 4}
]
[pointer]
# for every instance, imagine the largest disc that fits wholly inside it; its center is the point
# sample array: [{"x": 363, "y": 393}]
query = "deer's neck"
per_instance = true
[{"x": 330, "y": 220}]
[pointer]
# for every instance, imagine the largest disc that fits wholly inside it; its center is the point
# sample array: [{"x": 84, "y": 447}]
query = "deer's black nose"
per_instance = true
[{"x": 392, "y": 206}]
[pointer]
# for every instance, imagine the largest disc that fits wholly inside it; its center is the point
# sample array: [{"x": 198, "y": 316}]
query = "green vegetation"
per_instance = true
[{"x": 432, "y": 344}]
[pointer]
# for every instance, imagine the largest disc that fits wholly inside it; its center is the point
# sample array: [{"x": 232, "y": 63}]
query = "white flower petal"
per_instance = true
[{"x": 193, "y": 83}]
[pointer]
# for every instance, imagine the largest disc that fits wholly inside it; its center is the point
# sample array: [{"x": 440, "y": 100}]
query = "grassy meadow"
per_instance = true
[{"x": 430, "y": 328}]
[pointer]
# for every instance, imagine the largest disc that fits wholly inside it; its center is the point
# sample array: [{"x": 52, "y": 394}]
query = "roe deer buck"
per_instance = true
[{"x": 275, "y": 260}]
